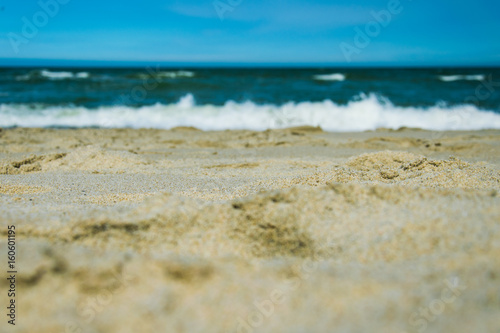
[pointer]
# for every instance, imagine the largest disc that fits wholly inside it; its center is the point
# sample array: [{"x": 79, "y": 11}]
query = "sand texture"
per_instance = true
[{"x": 292, "y": 230}]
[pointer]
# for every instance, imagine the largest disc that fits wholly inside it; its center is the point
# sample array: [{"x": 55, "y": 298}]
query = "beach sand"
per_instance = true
[{"x": 295, "y": 230}]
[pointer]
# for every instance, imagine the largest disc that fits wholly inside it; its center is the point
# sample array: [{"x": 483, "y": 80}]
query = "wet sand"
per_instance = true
[{"x": 292, "y": 230}]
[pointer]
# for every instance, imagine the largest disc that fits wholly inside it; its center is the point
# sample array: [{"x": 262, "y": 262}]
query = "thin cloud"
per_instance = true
[
  {"x": 286, "y": 15},
  {"x": 193, "y": 10}
]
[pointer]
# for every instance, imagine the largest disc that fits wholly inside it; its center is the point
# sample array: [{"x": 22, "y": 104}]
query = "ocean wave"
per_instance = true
[
  {"x": 46, "y": 74},
  {"x": 176, "y": 74},
  {"x": 367, "y": 112},
  {"x": 451, "y": 78},
  {"x": 168, "y": 75},
  {"x": 330, "y": 77}
]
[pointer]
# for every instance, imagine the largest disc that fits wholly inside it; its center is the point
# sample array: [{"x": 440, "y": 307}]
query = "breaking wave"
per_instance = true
[
  {"x": 451, "y": 78},
  {"x": 166, "y": 75},
  {"x": 49, "y": 75},
  {"x": 330, "y": 77},
  {"x": 367, "y": 112}
]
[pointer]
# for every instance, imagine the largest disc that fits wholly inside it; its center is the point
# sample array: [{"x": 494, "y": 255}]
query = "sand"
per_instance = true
[{"x": 292, "y": 230}]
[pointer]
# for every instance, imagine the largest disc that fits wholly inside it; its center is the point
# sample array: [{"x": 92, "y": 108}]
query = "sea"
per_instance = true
[{"x": 336, "y": 99}]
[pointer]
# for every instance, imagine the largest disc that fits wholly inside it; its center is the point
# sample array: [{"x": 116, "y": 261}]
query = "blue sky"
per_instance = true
[{"x": 252, "y": 31}]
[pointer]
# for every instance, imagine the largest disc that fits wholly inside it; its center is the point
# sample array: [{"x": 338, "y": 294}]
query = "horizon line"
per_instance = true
[{"x": 68, "y": 63}]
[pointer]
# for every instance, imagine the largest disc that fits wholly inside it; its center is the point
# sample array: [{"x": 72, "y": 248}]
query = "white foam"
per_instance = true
[
  {"x": 167, "y": 75},
  {"x": 174, "y": 75},
  {"x": 330, "y": 77},
  {"x": 53, "y": 75},
  {"x": 64, "y": 75},
  {"x": 57, "y": 75},
  {"x": 451, "y": 78},
  {"x": 82, "y": 75},
  {"x": 365, "y": 113}
]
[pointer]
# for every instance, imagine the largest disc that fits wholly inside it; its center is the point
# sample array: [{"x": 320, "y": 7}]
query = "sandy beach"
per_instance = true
[{"x": 293, "y": 230}]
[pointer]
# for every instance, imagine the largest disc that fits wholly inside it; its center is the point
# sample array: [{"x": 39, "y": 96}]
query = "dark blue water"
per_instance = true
[{"x": 110, "y": 97}]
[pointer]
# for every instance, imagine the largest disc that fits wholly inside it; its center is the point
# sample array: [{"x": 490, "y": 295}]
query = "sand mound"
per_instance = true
[
  {"x": 402, "y": 168},
  {"x": 387, "y": 159},
  {"x": 341, "y": 221},
  {"x": 247, "y": 228},
  {"x": 94, "y": 158},
  {"x": 413, "y": 170},
  {"x": 89, "y": 158},
  {"x": 31, "y": 164},
  {"x": 435, "y": 143}
]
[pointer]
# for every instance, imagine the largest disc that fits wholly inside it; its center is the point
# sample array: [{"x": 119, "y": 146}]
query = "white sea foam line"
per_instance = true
[
  {"x": 368, "y": 113},
  {"x": 176, "y": 74},
  {"x": 168, "y": 75},
  {"x": 450, "y": 78},
  {"x": 330, "y": 77},
  {"x": 63, "y": 75}
]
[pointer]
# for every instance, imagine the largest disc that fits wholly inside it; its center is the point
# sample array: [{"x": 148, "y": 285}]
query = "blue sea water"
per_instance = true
[{"x": 251, "y": 98}]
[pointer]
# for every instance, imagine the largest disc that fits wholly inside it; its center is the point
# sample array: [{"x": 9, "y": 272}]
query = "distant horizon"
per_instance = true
[{"x": 66, "y": 63}]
